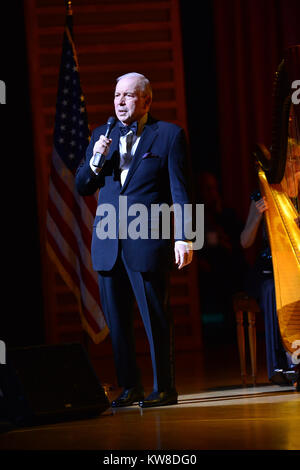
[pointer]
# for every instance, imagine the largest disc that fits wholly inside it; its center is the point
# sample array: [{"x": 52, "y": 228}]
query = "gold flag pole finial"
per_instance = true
[{"x": 69, "y": 7}]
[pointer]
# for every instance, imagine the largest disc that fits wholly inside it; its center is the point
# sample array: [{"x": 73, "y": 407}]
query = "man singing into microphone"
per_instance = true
[{"x": 145, "y": 160}]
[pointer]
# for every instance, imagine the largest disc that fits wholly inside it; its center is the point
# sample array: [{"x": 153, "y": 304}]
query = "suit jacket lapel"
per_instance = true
[{"x": 144, "y": 145}]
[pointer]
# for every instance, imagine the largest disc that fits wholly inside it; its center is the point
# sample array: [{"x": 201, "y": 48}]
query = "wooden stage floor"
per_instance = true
[{"x": 215, "y": 412}]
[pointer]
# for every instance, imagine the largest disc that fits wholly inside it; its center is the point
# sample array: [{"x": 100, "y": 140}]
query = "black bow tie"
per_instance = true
[{"x": 125, "y": 129}]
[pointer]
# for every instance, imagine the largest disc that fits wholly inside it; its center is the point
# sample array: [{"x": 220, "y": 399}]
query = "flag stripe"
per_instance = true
[
  {"x": 67, "y": 266},
  {"x": 87, "y": 204},
  {"x": 68, "y": 234},
  {"x": 71, "y": 221},
  {"x": 70, "y": 201}
]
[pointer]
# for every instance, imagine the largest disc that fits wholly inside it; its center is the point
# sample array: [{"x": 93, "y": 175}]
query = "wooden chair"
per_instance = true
[{"x": 243, "y": 303}]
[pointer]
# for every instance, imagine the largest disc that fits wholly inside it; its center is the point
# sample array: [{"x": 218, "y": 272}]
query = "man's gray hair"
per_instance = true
[{"x": 145, "y": 83}]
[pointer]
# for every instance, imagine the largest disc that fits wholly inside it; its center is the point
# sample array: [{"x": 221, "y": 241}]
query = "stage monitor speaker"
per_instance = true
[{"x": 49, "y": 383}]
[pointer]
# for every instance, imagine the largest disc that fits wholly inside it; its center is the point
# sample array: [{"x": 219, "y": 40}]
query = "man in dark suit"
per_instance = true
[{"x": 144, "y": 167}]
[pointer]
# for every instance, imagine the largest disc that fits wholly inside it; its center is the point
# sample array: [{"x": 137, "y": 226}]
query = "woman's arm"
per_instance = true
[{"x": 255, "y": 214}]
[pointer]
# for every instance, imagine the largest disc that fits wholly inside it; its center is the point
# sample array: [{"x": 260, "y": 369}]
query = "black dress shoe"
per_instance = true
[
  {"x": 278, "y": 377},
  {"x": 284, "y": 377},
  {"x": 160, "y": 399},
  {"x": 291, "y": 375},
  {"x": 128, "y": 397}
]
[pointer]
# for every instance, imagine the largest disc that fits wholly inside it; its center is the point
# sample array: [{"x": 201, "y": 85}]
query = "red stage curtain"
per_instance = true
[{"x": 250, "y": 37}]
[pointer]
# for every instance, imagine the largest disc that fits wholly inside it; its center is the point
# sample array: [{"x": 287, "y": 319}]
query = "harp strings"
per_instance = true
[{"x": 291, "y": 180}]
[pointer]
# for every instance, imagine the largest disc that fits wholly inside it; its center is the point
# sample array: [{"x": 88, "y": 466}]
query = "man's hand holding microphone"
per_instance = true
[{"x": 101, "y": 147}]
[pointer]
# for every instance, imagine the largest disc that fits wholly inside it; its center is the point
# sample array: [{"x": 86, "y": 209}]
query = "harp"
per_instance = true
[{"x": 279, "y": 180}]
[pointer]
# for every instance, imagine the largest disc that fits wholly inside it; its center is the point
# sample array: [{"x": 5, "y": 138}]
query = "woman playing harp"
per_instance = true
[{"x": 279, "y": 177}]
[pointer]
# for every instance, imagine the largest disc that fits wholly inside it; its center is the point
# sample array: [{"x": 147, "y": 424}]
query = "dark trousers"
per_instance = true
[{"x": 118, "y": 290}]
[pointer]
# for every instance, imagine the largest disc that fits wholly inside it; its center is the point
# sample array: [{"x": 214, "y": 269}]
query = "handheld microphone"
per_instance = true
[{"x": 99, "y": 158}]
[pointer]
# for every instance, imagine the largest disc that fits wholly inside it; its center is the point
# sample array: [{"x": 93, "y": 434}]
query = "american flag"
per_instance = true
[{"x": 70, "y": 216}]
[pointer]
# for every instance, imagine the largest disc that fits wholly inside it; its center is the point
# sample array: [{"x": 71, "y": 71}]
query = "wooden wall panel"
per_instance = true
[{"x": 111, "y": 37}]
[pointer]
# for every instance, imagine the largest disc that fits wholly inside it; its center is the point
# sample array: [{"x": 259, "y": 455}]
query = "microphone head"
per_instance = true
[{"x": 111, "y": 121}]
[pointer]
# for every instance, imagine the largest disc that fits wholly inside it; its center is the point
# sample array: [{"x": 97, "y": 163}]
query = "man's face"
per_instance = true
[{"x": 130, "y": 102}]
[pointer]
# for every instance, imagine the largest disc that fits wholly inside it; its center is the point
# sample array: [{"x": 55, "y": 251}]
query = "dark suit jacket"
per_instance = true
[{"x": 157, "y": 175}]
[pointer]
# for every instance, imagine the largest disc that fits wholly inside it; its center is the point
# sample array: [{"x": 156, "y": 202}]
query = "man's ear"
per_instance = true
[{"x": 148, "y": 101}]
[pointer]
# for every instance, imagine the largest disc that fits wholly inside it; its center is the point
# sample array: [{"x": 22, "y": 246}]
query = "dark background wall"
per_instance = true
[
  {"x": 201, "y": 85},
  {"x": 21, "y": 316},
  {"x": 251, "y": 38}
]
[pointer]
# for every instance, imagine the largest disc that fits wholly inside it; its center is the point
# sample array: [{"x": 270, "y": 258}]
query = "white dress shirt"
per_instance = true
[{"x": 134, "y": 143}]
